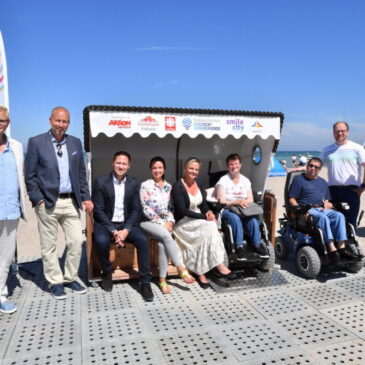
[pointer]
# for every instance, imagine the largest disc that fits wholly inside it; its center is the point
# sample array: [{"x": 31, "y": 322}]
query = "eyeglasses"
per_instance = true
[
  {"x": 3, "y": 121},
  {"x": 59, "y": 149},
  {"x": 314, "y": 166},
  {"x": 341, "y": 131}
]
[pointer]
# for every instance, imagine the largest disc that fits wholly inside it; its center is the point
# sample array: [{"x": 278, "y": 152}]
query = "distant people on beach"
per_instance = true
[
  {"x": 12, "y": 204},
  {"x": 117, "y": 215},
  {"x": 344, "y": 160},
  {"x": 56, "y": 181}
]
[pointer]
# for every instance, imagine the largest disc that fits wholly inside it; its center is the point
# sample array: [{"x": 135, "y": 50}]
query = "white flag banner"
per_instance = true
[{"x": 4, "y": 93}]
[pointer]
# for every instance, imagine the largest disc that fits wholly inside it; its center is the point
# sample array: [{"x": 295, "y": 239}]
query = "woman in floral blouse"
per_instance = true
[{"x": 155, "y": 198}]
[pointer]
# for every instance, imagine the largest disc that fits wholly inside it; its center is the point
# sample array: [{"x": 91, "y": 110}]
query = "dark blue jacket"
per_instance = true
[
  {"x": 42, "y": 176},
  {"x": 103, "y": 196}
]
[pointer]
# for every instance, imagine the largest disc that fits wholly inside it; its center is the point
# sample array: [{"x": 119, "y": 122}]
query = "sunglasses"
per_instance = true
[
  {"x": 314, "y": 166},
  {"x": 59, "y": 150}
]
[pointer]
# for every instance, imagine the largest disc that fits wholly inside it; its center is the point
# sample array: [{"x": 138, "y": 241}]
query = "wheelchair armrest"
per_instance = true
[
  {"x": 216, "y": 207},
  {"x": 341, "y": 206}
]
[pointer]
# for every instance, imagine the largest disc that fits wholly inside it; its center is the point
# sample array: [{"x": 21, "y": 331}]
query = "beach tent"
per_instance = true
[
  {"x": 277, "y": 169},
  {"x": 176, "y": 134}
]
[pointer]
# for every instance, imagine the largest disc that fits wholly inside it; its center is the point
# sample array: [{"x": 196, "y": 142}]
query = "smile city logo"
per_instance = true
[{"x": 187, "y": 123}]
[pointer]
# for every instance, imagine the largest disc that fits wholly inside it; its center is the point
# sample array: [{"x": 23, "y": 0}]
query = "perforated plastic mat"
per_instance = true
[{"x": 283, "y": 319}]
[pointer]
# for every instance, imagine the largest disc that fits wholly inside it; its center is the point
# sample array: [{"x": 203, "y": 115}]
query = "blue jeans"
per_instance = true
[
  {"x": 345, "y": 194},
  {"x": 136, "y": 236},
  {"x": 332, "y": 224},
  {"x": 238, "y": 224}
]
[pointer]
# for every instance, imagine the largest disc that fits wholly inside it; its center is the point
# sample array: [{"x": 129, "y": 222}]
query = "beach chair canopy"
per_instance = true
[{"x": 176, "y": 134}]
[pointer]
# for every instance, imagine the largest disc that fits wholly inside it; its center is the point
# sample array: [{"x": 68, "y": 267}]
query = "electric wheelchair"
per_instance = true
[{"x": 302, "y": 239}]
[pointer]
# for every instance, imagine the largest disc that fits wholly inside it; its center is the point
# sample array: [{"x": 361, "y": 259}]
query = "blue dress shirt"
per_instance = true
[{"x": 9, "y": 191}]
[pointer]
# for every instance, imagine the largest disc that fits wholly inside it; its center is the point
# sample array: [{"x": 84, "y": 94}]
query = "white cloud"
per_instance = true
[
  {"x": 163, "y": 84},
  {"x": 164, "y": 48}
]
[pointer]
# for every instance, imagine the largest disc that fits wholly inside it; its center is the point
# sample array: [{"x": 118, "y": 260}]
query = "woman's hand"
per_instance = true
[
  {"x": 168, "y": 226},
  {"x": 210, "y": 215}
]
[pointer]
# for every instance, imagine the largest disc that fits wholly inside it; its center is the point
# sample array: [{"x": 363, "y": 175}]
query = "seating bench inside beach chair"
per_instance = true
[{"x": 124, "y": 259}]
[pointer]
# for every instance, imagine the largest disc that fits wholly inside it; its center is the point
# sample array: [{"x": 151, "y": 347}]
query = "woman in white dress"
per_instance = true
[{"x": 195, "y": 229}]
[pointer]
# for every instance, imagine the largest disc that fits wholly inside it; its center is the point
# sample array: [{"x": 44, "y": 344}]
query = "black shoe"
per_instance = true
[
  {"x": 347, "y": 255},
  {"x": 204, "y": 285},
  {"x": 262, "y": 251},
  {"x": 334, "y": 257},
  {"x": 107, "y": 282},
  {"x": 231, "y": 276},
  {"x": 241, "y": 252},
  {"x": 146, "y": 292}
]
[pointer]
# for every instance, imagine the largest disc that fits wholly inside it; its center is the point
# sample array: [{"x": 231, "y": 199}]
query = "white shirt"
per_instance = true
[
  {"x": 119, "y": 189},
  {"x": 344, "y": 163},
  {"x": 235, "y": 191}
]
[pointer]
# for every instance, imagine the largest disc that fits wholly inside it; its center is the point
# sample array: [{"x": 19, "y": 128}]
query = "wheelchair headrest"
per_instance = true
[{"x": 289, "y": 180}]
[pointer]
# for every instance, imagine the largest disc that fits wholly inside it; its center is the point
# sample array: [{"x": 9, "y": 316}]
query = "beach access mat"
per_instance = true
[
  {"x": 248, "y": 279},
  {"x": 282, "y": 319}
]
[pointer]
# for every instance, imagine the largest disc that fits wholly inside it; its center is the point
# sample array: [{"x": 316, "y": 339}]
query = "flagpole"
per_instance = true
[{"x": 4, "y": 91}]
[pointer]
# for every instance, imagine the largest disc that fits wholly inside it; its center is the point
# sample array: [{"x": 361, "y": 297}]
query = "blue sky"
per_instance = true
[{"x": 303, "y": 58}]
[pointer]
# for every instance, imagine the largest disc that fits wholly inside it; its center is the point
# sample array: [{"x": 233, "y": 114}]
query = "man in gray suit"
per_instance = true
[{"x": 56, "y": 181}]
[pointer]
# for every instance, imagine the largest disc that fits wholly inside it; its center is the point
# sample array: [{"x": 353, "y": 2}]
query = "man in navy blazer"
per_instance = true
[
  {"x": 55, "y": 177},
  {"x": 117, "y": 214}
]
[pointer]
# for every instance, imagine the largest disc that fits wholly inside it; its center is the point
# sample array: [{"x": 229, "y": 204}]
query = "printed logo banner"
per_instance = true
[{"x": 144, "y": 124}]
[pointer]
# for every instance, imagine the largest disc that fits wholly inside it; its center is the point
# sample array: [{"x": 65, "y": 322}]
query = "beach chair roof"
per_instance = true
[{"x": 179, "y": 133}]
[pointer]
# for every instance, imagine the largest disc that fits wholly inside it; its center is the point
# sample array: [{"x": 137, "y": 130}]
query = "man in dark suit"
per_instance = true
[
  {"x": 117, "y": 214},
  {"x": 56, "y": 181}
]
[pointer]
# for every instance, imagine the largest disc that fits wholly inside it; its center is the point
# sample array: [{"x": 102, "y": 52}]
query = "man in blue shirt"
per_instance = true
[
  {"x": 311, "y": 189},
  {"x": 12, "y": 194}
]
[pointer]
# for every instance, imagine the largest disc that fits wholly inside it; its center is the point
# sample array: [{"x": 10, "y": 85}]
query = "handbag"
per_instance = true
[{"x": 251, "y": 210}]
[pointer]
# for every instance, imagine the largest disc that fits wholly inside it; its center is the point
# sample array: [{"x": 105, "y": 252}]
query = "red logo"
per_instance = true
[
  {"x": 120, "y": 123},
  {"x": 170, "y": 123},
  {"x": 149, "y": 119}
]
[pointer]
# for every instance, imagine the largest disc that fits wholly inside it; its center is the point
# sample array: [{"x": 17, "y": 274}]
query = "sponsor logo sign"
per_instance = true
[
  {"x": 207, "y": 124},
  {"x": 170, "y": 123},
  {"x": 236, "y": 124},
  {"x": 187, "y": 123},
  {"x": 257, "y": 127},
  {"x": 120, "y": 122},
  {"x": 148, "y": 124}
]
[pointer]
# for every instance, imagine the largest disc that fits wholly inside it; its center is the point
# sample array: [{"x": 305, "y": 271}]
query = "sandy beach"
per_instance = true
[{"x": 28, "y": 239}]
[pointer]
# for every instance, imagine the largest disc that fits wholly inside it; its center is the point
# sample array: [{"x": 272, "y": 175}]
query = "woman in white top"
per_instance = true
[{"x": 155, "y": 198}]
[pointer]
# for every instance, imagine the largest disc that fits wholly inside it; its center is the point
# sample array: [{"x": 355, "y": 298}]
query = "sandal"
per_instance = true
[
  {"x": 186, "y": 277},
  {"x": 165, "y": 288}
]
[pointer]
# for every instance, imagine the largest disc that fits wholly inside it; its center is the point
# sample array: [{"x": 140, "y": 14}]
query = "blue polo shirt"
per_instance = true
[
  {"x": 309, "y": 191},
  {"x": 9, "y": 186}
]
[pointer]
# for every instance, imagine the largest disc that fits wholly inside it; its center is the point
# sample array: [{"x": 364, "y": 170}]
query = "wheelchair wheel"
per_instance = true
[
  {"x": 281, "y": 251},
  {"x": 308, "y": 261},
  {"x": 267, "y": 264},
  {"x": 358, "y": 265}
]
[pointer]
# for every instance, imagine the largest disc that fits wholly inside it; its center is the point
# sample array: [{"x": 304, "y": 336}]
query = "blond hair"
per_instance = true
[
  {"x": 191, "y": 160},
  {"x": 4, "y": 109}
]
